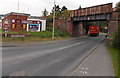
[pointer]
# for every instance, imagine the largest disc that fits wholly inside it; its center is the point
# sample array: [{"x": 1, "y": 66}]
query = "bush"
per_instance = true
[
  {"x": 42, "y": 34},
  {"x": 58, "y": 33},
  {"x": 116, "y": 39},
  {"x": 48, "y": 33}
]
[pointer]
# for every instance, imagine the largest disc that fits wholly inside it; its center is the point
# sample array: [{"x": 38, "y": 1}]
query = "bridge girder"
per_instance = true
[{"x": 96, "y": 17}]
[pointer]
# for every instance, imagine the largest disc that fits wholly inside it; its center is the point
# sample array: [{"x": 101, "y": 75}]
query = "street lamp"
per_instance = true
[{"x": 53, "y": 30}]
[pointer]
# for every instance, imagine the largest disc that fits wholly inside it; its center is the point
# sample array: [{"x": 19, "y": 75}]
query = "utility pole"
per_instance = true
[
  {"x": 18, "y": 8},
  {"x": 18, "y": 5},
  {"x": 53, "y": 30}
]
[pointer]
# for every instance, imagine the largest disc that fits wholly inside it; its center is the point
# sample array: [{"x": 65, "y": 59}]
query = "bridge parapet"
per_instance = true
[
  {"x": 99, "y": 9},
  {"x": 99, "y": 12}
]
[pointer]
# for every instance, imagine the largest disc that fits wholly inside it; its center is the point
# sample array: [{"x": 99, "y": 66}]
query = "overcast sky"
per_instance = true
[{"x": 35, "y": 7}]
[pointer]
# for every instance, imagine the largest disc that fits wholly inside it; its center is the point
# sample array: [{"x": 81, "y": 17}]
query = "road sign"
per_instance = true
[{"x": 17, "y": 35}]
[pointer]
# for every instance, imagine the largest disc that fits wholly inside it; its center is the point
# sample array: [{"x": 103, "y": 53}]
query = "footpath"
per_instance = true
[{"x": 99, "y": 63}]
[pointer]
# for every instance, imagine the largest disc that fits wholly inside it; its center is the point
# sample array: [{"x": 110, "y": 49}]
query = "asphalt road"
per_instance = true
[{"x": 58, "y": 58}]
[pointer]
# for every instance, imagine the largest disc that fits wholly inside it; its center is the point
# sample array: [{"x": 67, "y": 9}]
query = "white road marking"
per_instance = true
[{"x": 18, "y": 73}]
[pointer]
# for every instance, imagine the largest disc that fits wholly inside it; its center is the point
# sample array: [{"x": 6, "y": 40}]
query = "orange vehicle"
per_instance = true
[{"x": 94, "y": 30}]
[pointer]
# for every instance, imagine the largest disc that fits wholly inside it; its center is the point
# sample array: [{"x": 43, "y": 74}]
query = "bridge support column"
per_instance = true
[
  {"x": 69, "y": 27},
  {"x": 77, "y": 29},
  {"x": 81, "y": 29},
  {"x": 114, "y": 22}
]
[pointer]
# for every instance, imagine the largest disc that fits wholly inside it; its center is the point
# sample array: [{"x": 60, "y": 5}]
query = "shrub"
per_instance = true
[
  {"x": 42, "y": 34},
  {"x": 58, "y": 33},
  {"x": 116, "y": 39},
  {"x": 48, "y": 33}
]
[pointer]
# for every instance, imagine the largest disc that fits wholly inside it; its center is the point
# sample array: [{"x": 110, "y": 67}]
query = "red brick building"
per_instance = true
[{"x": 13, "y": 21}]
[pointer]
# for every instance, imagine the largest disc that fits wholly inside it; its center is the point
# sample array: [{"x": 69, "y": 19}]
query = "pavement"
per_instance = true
[
  {"x": 98, "y": 63},
  {"x": 58, "y": 58}
]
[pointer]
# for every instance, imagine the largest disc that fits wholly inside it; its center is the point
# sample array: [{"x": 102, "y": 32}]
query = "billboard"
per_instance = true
[{"x": 34, "y": 26}]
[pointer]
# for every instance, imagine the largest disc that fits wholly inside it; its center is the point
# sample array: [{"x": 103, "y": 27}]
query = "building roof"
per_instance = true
[
  {"x": 1, "y": 16},
  {"x": 15, "y": 13},
  {"x": 37, "y": 17}
]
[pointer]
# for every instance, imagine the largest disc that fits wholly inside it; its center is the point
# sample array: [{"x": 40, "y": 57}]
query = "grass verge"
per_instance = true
[
  {"x": 37, "y": 36},
  {"x": 115, "y": 59},
  {"x": 30, "y": 39}
]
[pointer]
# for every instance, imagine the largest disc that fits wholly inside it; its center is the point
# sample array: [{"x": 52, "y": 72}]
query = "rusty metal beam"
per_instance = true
[{"x": 97, "y": 17}]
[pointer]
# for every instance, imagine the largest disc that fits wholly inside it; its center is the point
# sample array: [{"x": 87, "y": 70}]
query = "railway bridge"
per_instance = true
[
  {"x": 95, "y": 13},
  {"x": 104, "y": 12}
]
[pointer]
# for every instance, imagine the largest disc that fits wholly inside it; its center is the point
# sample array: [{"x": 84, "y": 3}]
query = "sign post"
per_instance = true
[
  {"x": 6, "y": 31},
  {"x": 18, "y": 35}
]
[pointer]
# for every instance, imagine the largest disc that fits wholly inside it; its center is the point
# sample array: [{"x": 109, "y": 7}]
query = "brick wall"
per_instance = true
[
  {"x": 113, "y": 23},
  {"x": 61, "y": 24},
  {"x": 69, "y": 28},
  {"x": 73, "y": 29}
]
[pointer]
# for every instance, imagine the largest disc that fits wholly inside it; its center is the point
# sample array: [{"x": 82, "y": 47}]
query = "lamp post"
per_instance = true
[{"x": 53, "y": 30}]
